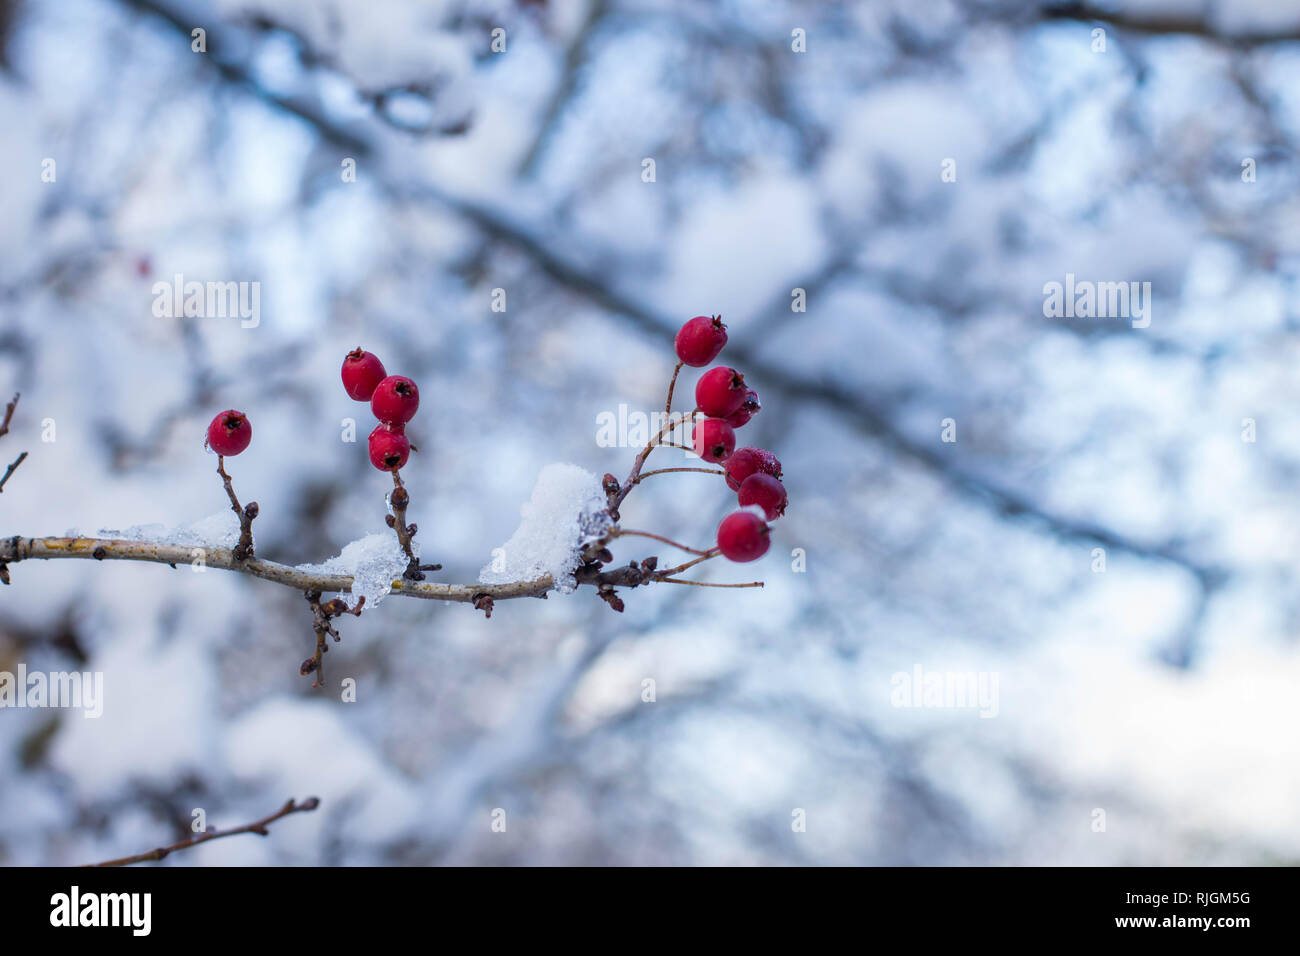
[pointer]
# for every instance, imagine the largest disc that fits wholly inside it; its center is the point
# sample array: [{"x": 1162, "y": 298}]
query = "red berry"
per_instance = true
[
  {"x": 746, "y": 461},
  {"x": 395, "y": 400},
  {"x": 230, "y": 432},
  {"x": 700, "y": 340},
  {"x": 765, "y": 491},
  {"x": 720, "y": 391},
  {"x": 743, "y": 536},
  {"x": 389, "y": 447},
  {"x": 362, "y": 372},
  {"x": 713, "y": 439},
  {"x": 747, "y": 410}
]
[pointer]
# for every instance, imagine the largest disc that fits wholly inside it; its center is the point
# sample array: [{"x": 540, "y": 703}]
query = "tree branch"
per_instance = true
[
  {"x": 4, "y": 430},
  {"x": 257, "y": 826},
  {"x": 1162, "y": 24},
  {"x": 10, "y": 470},
  {"x": 17, "y": 548}
]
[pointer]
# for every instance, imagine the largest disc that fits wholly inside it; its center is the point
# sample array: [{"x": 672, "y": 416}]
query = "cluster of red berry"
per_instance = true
[
  {"x": 753, "y": 473},
  {"x": 393, "y": 399}
]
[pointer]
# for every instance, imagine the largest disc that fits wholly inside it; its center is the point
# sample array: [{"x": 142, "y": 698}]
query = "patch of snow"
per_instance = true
[
  {"x": 374, "y": 562},
  {"x": 567, "y": 509},
  {"x": 220, "y": 530}
]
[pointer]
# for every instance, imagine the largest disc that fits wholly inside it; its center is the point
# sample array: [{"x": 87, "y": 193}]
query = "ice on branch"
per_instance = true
[
  {"x": 374, "y": 562},
  {"x": 220, "y": 530},
  {"x": 567, "y": 510}
]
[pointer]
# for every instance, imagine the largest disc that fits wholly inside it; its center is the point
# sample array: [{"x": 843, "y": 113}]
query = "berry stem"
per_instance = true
[
  {"x": 620, "y": 532},
  {"x": 400, "y": 501},
  {"x": 710, "y": 584},
  {"x": 667, "y": 572},
  {"x": 639, "y": 462},
  {"x": 244, "y": 549},
  {"x": 666, "y": 575},
  {"x": 664, "y": 471},
  {"x": 672, "y": 384}
]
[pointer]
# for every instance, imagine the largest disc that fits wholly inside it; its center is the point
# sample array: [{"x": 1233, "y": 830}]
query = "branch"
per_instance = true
[
  {"x": 1171, "y": 24},
  {"x": 400, "y": 500},
  {"x": 9, "y": 414},
  {"x": 321, "y": 614},
  {"x": 10, "y": 470},
  {"x": 17, "y": 548},
  {"x": 244, "y": 549},
  {"x": 257, "y": 826},
  {"x": 4, "y": 430}
]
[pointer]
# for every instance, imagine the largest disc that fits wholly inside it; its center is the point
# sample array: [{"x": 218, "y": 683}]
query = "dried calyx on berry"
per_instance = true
[
  {"x": 229, "y": 433},
  {"x": 700, "y": 340},
  {"x": 747, "y": 410},
  {"x": 389, "y": 447},
  {"x": 720, "y": 391},
  {"x": 362, "y": 372},
  {"x": 395, "y": 400},
  {"x": 713, "y": 439}
]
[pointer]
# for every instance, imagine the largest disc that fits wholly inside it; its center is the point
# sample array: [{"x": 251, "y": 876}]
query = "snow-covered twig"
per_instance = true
[
  {"x": 17, "y": 548},
  {"x": 257, "y": 826}
]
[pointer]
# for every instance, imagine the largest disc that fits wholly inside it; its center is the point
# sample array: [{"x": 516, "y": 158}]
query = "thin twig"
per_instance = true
[
  {"x": 669, "y": 572},
  {"x": 400, "y": 500},
  {"x": 10, "y": 470},
  {"x": 257, "y": 826},
  {"x": 672, "y": 384},
  {"x": 710, "y": 584},
  {"x": 664, "y": 471},
  {"x": 321, "y": 615},
  {"x": 620, "y": 532},
  {"x": 4, "y": 430},
  {"x": 617, "y": 499},
  {"x": 9, "y": 414},
  {"x": 244, "y": 549}
]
